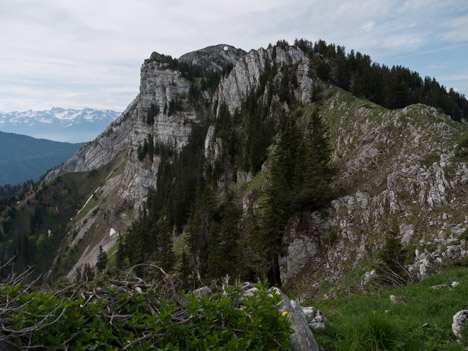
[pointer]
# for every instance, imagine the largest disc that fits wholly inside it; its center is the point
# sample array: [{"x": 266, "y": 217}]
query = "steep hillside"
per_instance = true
[
  {"x": 401, "y": 170},
  {"x": 23, "y": 157},
  {"x": 221, "y": 164}
]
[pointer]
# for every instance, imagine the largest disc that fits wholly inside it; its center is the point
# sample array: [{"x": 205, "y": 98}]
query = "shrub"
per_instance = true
[
  {"x": 145, "y": 321},
  {"x": 390, "y": 267}
]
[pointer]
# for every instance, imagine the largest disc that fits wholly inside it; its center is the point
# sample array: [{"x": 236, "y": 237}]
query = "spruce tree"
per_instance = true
[
  {"x": 102, "y": 260},
  {"x": 313, "y": 173},
  {"x": 77, "y": 275},
  {"x": 391, "y": 259},
  {"x": 185, "y": 272},
  {"x": 279, "y": 205}
]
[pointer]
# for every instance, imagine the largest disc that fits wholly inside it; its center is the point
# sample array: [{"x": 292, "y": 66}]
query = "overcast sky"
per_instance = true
[{"x": 88, "y": 53}]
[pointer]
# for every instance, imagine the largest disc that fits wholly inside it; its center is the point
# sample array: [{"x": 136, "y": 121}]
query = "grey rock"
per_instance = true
[
  {"x": 440, "y": 286},
  {"x": 316, "y": 319},
  {"x": 302, "y": 338},
  {"x": 397, "y": 300},
  {"x": 249, "y": 292},
  {"x": 319, "y": 323},
  {"x": 310, "y": 313},
  {"x": 406, "y": 232},
  {"x": 454, "y": 252},
  {"x": 300, "y": 251},
  {"x": 215, "y": 57},
  {"x": 460, "y": 321},
  {"x": 204, "y": 291},
  {"x": 368, "y": 277}
]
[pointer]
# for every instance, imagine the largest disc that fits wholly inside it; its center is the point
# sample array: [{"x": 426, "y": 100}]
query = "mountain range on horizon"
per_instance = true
[{"x": 58, "y": 124}]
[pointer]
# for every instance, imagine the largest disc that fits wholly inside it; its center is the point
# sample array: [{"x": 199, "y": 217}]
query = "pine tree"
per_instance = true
[
  {"x": 279, "y": 205},
  {"x": 77, "y": 275},
  {"x": 102, "y": 260},
  {"x": 313, "y": 173},
  {"x": 185, "y": 272},
  {"x": 166, "y": 257}
]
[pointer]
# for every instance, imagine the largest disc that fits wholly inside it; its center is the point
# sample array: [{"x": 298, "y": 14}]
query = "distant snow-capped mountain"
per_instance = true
[{"x": 59, "y": 124}]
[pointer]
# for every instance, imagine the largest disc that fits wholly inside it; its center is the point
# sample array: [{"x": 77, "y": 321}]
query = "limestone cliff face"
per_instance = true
[
  {"x": 126, "y": 189},
  {"x": 245, "y": 76}
]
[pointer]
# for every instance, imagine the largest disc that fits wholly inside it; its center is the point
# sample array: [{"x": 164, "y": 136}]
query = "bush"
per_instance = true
[
  {"x": 390, "y": 267},
  {"x": 139, "y": 321}
]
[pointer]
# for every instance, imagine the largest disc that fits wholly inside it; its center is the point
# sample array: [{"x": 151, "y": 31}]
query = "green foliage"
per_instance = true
[
  {"x": 119, "y": 321},
  {"x": 10, "y": 194},
  {"x": 174, "y": 106},
  {"x": 300, "y": 179},
  {"x": 214, "y": 236},
  {"x": 88, "y": 272},
  {"x": 259, "y": 132},
  {"x": 102, "y": 260},
  {"x": 461, "y": 153},
  {"x": 50, "y": 207},
  {"x": 430, "y": 158},
  {"x": 152, "y": 112},
  {"x": 390, "y": 266}
]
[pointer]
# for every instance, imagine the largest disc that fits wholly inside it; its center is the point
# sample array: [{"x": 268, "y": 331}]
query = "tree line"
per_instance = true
[{"x": 392, "y": 88}]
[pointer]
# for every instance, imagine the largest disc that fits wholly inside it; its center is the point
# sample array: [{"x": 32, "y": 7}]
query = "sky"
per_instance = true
[{"x": 88, "y": 53}]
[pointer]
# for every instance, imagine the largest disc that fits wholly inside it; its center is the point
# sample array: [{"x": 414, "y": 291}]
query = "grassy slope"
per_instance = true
[
  {"x": 421, "y": 322},
  {"x": 55, "y": 202}
]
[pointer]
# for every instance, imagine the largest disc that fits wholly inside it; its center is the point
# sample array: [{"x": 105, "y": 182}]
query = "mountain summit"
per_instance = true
[{"x": 291, "y": 162}]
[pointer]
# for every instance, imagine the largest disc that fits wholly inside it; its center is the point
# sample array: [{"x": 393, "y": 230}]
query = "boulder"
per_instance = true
[
  {"x": 397, "y": 300},
  {"x": 460, "y": 320},
  {"x": 440, "y": 286},
  {"x": 302, "y": 338},
  {"x": 204, "y": 291},
  {"x": 316, "y": 319}
]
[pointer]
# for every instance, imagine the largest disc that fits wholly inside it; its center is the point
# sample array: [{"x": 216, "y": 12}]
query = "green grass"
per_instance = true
[
  {"x": 430, "y": 158},
  {"x": 112, "y": 254},
  {"x": 372, "y": 322},
  {"x": 84, "y": 211},
  {"x": 256, "y": 183},
  {"x": 179, "y": 243}
]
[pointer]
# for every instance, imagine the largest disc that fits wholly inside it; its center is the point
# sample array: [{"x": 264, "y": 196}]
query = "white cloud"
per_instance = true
[
  {"x": 91, "y": 47},
  {"x": 458, "y": 29},
  {"x": 404, "y": 41}
]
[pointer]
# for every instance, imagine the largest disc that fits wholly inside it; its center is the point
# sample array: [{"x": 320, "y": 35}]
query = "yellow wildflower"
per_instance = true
[{"x": 284, "y": 313}]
